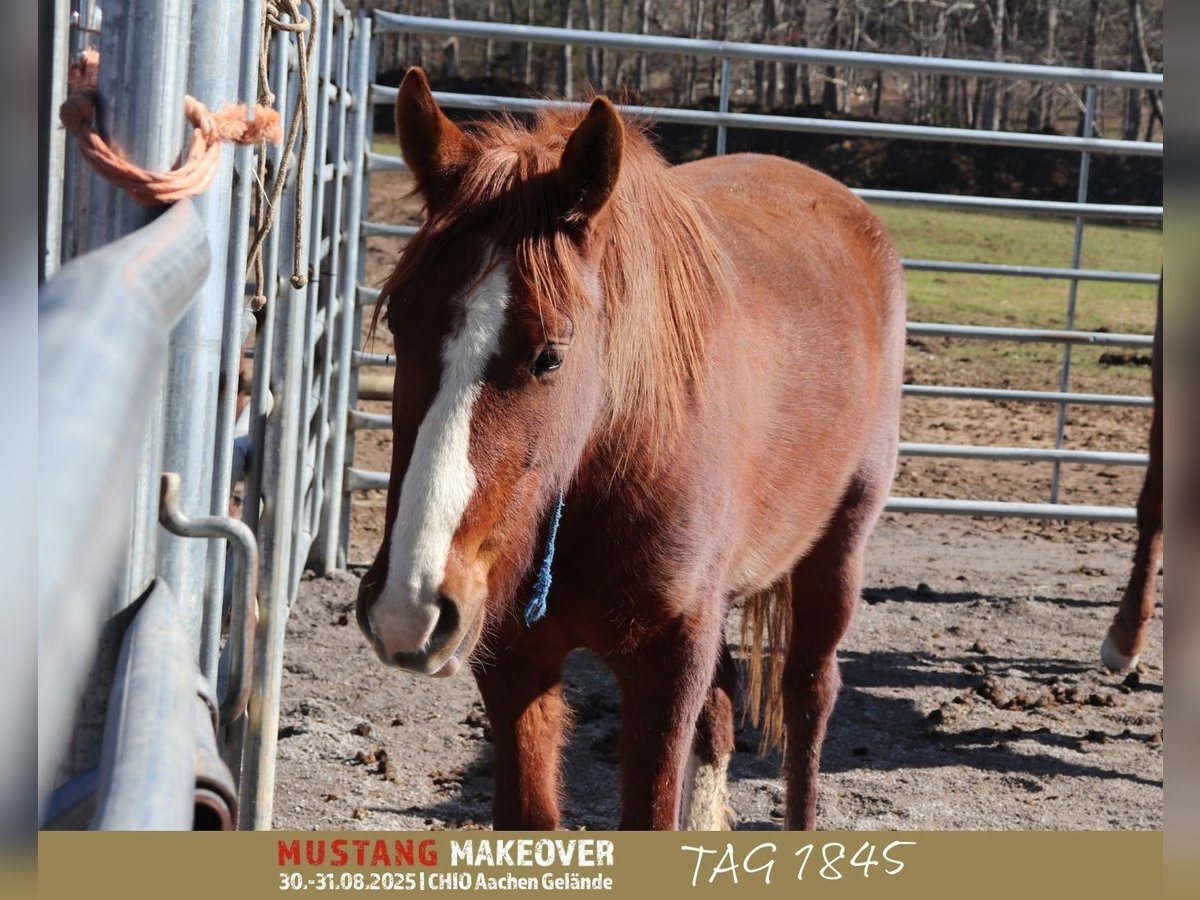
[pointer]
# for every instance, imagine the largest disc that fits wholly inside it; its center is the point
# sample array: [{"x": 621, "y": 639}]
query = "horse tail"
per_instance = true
[{"x": 766, "y": 633}]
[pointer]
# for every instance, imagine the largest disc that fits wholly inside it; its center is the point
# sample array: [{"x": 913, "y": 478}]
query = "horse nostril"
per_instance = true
[{"x": 447, "y": 623}]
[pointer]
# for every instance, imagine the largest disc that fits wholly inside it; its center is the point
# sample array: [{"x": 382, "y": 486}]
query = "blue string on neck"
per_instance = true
[{"x": 536, "y": 608}]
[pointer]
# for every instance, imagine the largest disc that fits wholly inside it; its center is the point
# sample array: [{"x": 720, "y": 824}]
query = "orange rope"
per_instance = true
[{"x": 199, "y": 167}]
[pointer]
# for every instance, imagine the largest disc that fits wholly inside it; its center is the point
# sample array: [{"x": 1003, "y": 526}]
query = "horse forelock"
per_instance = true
[{"x": 662, "y": 273}]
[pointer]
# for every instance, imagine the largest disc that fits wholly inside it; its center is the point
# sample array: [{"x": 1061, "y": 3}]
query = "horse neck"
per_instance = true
[{"x": 663, "y": 280}]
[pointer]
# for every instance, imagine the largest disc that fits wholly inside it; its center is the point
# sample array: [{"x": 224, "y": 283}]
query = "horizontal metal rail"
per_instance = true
[
  {"x": 1005, "y": 394},
  {"x": 362, "y": 358},
  {"x": 387, "y": 21},
  {"x": 1005, "y": 204},
  {"x": 361, "y": 480},
  {"x": 367, "y": 421},
  {"x": 1029, "y": 335},
  {"x": 1023, "y": 454},
  {"x": 382, "y": 94},
  {"x": 975, "y": 332},
  {"x": 1067, "y": 274},
  {"x": 363, "y": 421},
  {"x": 385, "y": 229},
  {"x": 1064, "y": 511},
  {"x": 385, "y": 162}
]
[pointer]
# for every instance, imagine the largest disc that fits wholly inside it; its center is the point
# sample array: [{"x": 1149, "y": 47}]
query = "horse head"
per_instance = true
[{"x": 496, "y": 309}]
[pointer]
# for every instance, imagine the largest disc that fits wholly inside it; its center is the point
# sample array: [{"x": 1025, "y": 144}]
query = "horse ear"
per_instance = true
[
  {"x": 591, "y": 162},
  {"x": 434, "y": 148}
]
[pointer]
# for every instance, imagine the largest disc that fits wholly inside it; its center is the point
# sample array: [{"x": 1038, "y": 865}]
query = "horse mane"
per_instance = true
[{"x": 662, "y": 270}]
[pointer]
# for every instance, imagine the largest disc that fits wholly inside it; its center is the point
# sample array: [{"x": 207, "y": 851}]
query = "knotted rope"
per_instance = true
[
  {"x": 230, "y": 124},
  {"x": 536, "y": 608}
]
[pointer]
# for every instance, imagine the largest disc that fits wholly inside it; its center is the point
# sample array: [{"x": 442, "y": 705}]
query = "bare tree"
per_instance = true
[
  {"x": 829, "y": 96},
  {"x": 488, "y": 45},
  {"x": 1087, "y": 33},
  {"x": 1089, "y": 47},
  {"x": 1139, "y": 61},
  {"x": 589, "y": 54},
  {"x": 1042, "y": 106},
  {"x": 564, "y": 55},
  {"x": 643, "y": 22},
  {"x": 990, "y": 118}
]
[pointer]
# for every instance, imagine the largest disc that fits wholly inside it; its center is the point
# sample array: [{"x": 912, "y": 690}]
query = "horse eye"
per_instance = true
[{"x": 547, "y": 360}]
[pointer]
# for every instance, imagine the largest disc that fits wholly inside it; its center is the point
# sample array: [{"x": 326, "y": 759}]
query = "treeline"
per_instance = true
[{"x": 1115, "y": 34}]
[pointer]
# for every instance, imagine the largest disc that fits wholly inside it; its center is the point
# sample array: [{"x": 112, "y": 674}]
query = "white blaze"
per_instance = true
[{"x": 440, "y": 480}]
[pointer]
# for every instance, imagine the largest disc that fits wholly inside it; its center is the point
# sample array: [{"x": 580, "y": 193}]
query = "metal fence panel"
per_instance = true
[
  {"x": 1080, "y": 209},
  {"x": 291, "y": 423}
]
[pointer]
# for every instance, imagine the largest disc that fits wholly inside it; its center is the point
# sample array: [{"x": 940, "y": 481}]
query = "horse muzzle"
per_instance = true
[{"x": 426, "y": 638}]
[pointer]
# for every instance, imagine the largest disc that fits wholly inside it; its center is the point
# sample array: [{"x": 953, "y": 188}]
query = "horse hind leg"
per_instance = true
[
  {"x": 825, "y": 590},
  {"x": 705, "y": 801},
  {"x": 1127, "y": 634}
]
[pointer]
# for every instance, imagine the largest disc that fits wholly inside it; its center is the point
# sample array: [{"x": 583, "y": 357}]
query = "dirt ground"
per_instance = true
[{"x": 972, "y": 698}]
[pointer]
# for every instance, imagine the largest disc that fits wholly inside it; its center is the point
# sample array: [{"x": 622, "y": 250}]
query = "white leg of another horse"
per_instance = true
[
  {"x": 705, "y": 789},
  {"x": 705, "y": 805}
]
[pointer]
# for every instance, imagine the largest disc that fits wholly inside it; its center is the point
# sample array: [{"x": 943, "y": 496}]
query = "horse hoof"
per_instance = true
[{"x": 1114, "y": 659}]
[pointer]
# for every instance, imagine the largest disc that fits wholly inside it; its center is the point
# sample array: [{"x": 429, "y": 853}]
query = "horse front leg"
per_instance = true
[
  {"x": 826, "y": 586},
  {"x": 1127, "y": 634},
  {"x": 664, "y": 685},
  {"x": 522, "y": 692}
]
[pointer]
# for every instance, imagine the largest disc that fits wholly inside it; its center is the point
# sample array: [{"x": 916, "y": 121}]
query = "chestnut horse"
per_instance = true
[
  {"x": 705, "y": 363},
  {"x": 1127, "y": 634}
]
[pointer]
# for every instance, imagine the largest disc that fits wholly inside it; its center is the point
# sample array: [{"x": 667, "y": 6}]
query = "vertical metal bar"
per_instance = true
[
  {"x": 143, "y": 79},
  {"x": 317, "y": 299},
  {"x": 194, "y": 364},
  {"x": 337, "y": 305},
  {"x": 334, "y": 541},
  {"x": 53, "y": 30},
  {"x": 261, "y": 399},
  {"x": 369, "y": 51},
  {"x": 281, "y": 455},
  {"x": 144, "y": 45},
  {"x": 244, "y": 165},
  {"x": 241, "y": 737},
  {"x": 1085, "y": 169},
  {"x": 722, "y": 131}
]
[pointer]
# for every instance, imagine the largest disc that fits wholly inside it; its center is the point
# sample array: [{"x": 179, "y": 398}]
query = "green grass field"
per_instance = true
[{"x": 923, "y": 233}]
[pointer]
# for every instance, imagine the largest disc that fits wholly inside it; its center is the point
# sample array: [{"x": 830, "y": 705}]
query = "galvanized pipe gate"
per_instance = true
[
  {"x": 1081, "y": 211},
  {"x": 150, "y": 630},
  {"x": 161, "y": 614}
]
